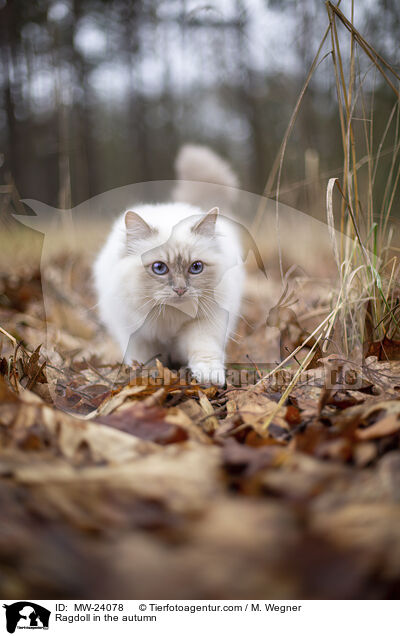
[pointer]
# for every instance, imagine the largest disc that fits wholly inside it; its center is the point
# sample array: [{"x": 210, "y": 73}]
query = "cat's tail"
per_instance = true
[{"x": 201, "y": 173}]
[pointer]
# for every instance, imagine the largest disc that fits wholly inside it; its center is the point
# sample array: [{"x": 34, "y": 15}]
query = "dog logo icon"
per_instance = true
[{"x": 26, "y": 615}]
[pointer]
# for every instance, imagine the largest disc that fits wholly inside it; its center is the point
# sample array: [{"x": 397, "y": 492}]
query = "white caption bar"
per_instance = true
[{"x": 310, "y": 618}]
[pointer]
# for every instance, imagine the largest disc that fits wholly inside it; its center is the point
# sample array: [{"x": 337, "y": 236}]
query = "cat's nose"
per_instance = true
[{"x": 180, "y": 290}]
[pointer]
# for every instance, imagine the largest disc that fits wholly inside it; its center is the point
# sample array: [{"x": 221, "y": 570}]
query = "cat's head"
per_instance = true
[{"x": 180, "y": 262}]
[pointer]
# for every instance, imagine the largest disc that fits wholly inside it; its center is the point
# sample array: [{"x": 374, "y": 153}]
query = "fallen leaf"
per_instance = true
[
  {"x": 254, "y": 407},
  {"x": 145, "y": 422},
  {"x": 210, "y": 422},
  {"x": 385, "y": 426},
  {"x": 112, "y": 402},
  {"x": 364, "y": 453}
]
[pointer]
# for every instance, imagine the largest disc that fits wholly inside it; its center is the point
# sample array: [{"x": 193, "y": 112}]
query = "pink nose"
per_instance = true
[{"x": 180, "y": 290}]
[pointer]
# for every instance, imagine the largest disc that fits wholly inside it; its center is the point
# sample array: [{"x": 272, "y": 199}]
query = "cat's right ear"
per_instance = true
[
  {"x": 206, "y": 225},
  {"x": 136, "y": 227}
]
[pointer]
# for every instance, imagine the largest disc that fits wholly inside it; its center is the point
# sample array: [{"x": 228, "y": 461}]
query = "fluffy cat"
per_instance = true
[{"x": 169, "y": 277}]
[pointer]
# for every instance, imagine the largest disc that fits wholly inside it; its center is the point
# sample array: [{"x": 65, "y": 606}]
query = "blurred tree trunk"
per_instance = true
[
  {"x": 9, "y": 36},
  {"x": 247, "y": 95},
  {"x": 137, "y": 149},
  {"x": 83, "y": 154}
]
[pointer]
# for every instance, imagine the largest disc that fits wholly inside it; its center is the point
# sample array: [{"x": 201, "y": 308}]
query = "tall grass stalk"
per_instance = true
[
  {"x": 366, "y": 307},
  {"x": 368, "y": 269}
]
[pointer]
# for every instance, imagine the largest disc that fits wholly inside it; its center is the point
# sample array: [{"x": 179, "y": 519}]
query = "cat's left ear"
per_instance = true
[
  {"x": 137, "y": 227},
  {"x": 206, "y": 225},
  {"x": 137, "y": 230}
]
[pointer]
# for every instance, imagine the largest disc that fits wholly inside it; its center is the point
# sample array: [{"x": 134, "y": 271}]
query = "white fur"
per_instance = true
[
  {"x": 196, "y": 165},
  {"x": 141, "y": 310}
]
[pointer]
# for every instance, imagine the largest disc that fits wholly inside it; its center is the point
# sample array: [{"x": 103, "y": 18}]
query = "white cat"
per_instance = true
[{"x": 169, "y": 277}]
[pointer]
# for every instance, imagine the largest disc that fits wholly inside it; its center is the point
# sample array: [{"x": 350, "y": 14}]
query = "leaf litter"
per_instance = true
[{"x": 115, "y": 483}]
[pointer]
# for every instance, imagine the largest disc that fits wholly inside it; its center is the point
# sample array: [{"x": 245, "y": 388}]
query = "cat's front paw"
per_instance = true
[{"x": 209, "y": 374}]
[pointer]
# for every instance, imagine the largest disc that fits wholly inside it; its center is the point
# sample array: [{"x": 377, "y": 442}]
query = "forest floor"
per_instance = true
[{"x": 180, "y": 491}]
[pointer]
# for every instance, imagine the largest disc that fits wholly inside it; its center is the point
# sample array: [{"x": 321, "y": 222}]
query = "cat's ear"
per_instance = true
[
  {"x": 136, "y": 227},
  {"x": 206, "y": 225}
]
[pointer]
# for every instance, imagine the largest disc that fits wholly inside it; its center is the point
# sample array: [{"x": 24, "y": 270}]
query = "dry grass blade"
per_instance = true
[
  {"x": 368, "y": 49},
  {"x": 331, "y": 220},
  {"x": 293, "y": 382},
  {"x": 9, "y": 336},
  {"x": 277, "y": 166}
]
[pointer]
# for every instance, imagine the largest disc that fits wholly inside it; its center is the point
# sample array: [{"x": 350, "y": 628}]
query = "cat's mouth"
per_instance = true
[
  {"x": 187, "y": 304},
  {"x": 180, "y": 299}
]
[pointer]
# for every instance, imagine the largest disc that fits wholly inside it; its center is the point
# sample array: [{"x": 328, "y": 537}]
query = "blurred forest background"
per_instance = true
[{"x": 96, "y": 94}]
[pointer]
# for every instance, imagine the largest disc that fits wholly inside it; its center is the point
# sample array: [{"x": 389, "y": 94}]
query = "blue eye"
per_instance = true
[
  {"x": 159, "y": 268},
  {"x": 196, "y": 267}
]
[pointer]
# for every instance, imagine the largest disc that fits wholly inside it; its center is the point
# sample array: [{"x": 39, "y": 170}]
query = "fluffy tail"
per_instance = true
[{"x": 201, "y": 173}]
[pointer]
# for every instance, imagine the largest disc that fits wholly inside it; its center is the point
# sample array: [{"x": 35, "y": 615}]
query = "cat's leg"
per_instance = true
[{"x": 205, "y": 352}]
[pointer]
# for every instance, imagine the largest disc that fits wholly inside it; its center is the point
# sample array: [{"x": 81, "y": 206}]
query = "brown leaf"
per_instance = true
[
  {"x": 386, "y": 349},
  {"x": 340, "y": 448},
  {"x": 245, "y": 460},
  {"x": 179, "y": 417},
  {"x": 385, "y": 426},
  {"x": 145, "y": 422},
  {"x": 31, "y": 424},
  {"x": 210, "y": 423},
  {"x": 113, "y": 401},
  {"x": 6, "y": 394},
  {"x": 292, "y": 415},
  {"x": 254, "y": 407},
  {"x": 22, "y": 290},
  {"x": 364, "y": 453}
]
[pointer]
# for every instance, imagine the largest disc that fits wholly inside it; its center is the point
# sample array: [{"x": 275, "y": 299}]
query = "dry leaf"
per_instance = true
[
  {"x": 254, "y": 407},
  {"x": 145, "y": 422},
  {"x": 112, "y": 402},
  {"x": 210, "y": 422},
  {"x": 385, "y": 426}
]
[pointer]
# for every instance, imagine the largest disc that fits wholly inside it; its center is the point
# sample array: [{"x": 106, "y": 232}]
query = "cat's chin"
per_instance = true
[
  {"x": 181, "y": 300},
  {"x": 188, "y": 305}
]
